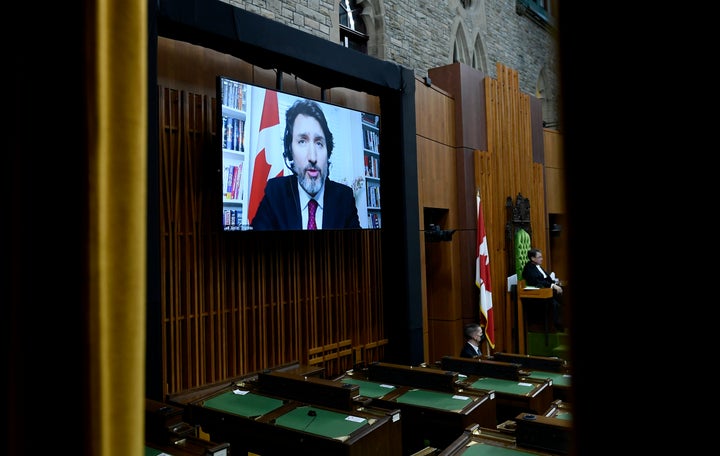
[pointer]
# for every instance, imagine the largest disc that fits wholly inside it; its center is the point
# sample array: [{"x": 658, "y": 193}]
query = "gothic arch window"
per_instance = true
[
  {"x": 540, "y": 85},
  {"x": 542, "y": 94},
  {"x": 461, "y": 52},
  {"x": 353, "y": 33},
  {"x": 467, "y": 46},
  {"x": 478, "y": 56}
]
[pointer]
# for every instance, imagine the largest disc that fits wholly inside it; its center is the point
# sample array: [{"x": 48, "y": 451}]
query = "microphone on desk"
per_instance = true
[{"x": 313, "y": 414}]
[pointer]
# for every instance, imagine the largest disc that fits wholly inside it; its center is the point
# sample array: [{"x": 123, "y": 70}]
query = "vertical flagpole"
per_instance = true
[{"x": 482, "y": 277}]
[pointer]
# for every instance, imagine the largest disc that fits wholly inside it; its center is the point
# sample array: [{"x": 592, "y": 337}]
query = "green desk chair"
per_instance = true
[{"x": 522, "y": 245}]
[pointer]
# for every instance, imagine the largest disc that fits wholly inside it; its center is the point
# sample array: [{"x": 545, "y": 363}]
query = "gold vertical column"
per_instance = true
[{"x": 117, "y": 52}]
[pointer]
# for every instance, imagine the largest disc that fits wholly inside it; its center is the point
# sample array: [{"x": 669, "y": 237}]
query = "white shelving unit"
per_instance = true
[
  {"x": 371, "y": 142},
  {"x": 234, "y": 136}
]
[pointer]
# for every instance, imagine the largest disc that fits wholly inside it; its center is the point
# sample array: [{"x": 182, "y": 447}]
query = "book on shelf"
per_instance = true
[
  {"x": 233, "y": 132},
  {"x": 232, "y": 219},
  {"x": 231, "y": 176},
  {"x": 373, "y": 195},
  {"x": 371, "y": 140},
  {"x": 371, "y": 166},
  {"x": 370, "y": 119},
  {"x": 233, "y": 95},
  {"x": 228, "y": 133}
]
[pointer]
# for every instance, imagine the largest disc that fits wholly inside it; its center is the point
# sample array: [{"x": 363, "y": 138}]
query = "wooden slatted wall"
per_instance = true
[{"x": 504, "y": 170}]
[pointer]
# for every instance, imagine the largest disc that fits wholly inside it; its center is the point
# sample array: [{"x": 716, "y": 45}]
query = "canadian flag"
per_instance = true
[
  {"x": 482, "y": 277},
  {"x": 268, "y": 160}
]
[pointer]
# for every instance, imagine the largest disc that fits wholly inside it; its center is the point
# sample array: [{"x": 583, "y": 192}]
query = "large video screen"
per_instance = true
[{"x": 293, "y": 163}]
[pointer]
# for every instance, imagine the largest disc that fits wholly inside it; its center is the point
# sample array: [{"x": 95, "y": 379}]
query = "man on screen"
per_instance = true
[{"x": 288, "y": 200}]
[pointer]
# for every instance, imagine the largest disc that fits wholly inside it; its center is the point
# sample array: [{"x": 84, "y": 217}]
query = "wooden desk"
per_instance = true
[
  {"x": 166, "y": 433},
  {"x": 476, "y": 441},
  {"x": 531, "y": 293},
  {"x": 255, "y": 423},
  {"x": 550, "y": 367},
  {"x": 274, "y": 412},
  {"x": 416, "y": 376},
  {"x": 551, "y": 433},
  {"x": 429, "y": 417},
  {"x": 187, "y": 446},
  {"x": 514, "y": 393},
  {"x": 183, "y": 398}
]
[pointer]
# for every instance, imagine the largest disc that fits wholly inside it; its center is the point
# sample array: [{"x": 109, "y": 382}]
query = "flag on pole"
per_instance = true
[
  {"x": 482, "y": 276},
  {"x": 268, "y": 159}
]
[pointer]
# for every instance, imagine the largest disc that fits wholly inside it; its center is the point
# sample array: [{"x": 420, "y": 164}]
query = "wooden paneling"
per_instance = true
[
  {"x": 443, "y": 296},
  {"x": 465, "y": 85},
  {"x": 552, "y": 140},
  {"x": 446, "y": 337},
  {"x": 555, "y": 181},
  {"x": 437, "y": 176},
  {"x": 434, "y": 114},
  {"x": 554, "y": 172},
  {"x": 437, "y": 192},
  {"x": 235, "y": 303},
  {"x": 505, "y": 169}
]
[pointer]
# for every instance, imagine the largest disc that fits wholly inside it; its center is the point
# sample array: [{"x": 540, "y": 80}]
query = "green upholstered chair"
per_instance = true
[
  {"x": 522, "y": 245},
  {"x": 518, "y": 233},
  {"x": 519, "y": 241}
]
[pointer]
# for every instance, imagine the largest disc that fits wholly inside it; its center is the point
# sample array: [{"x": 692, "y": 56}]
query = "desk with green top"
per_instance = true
[
  {"x": 188, "y": 446},
  {"x": 545, "y": 432},
  {"x": 486, "y": 442},
  {"x": 545, "y": 367},
  {"x": 561, "y": 382},
  {"x": 513, "y": 396},
  {"x": 515, "y": 393},
  {"x": 560, "y": 410},
  {"x": 266, "y": 425},
  {"x": 429, "y": 418},
  {"x": 166, "y": 433}
]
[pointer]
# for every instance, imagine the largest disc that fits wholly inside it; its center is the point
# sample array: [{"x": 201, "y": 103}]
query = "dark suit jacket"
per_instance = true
[
  {"x": 534, "y": 278},
  {"x": 280, "y": 206},
  {"x": 468, "y": 351}
]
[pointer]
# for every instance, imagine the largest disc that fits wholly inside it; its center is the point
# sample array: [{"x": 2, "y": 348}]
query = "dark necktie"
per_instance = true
[{"x": 312, "y": 207}]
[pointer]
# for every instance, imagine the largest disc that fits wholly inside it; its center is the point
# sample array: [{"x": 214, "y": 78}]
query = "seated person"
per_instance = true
[
  {"x": 535, "y": 276},
  {"x": 473, "y": 338}
]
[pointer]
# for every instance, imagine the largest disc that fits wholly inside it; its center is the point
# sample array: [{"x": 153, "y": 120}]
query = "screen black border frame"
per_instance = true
[
  {"x": 271, "y": 45},
  {"x": 219, "y": 148}
]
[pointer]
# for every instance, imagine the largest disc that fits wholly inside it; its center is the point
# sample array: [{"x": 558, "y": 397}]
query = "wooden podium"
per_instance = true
[{"x": 531, "y": 293}]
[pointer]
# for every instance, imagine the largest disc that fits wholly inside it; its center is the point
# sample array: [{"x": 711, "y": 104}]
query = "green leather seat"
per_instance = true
[{"x": 522, "y": 245}]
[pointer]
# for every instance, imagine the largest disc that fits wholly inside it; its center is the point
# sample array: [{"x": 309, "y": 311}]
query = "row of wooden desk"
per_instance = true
[
  {"x": 280, "y": 412},
  {"x": 381, "y": 409}
]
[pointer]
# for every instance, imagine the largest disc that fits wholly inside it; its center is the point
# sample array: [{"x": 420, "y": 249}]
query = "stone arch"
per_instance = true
[
  {"x": 372, "y": 15},
  {"x": 460, "y": 51},
  {"x": 542, "y": 94},
  {"x": 479, "y": 56}
]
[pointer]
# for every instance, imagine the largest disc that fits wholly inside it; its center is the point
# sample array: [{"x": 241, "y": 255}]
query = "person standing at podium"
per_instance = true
[{"x": 535, "y": 276}]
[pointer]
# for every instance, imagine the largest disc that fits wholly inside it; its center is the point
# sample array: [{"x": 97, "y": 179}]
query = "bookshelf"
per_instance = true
[
  {"x": 234, "y": 104},
  {"x": 371, "y": 153}
]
